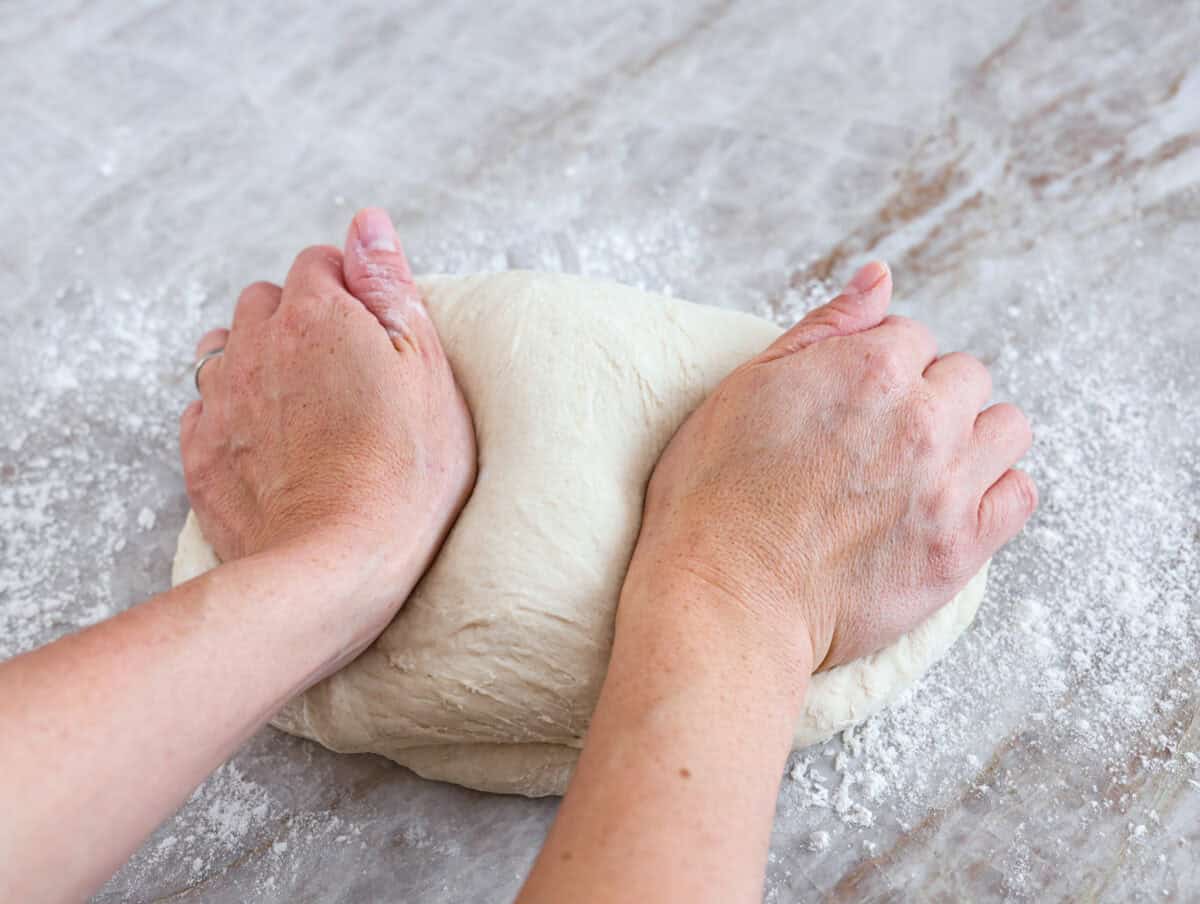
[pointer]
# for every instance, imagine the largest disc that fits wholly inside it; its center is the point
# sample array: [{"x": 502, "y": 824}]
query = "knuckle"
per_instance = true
[
  {"x": 1010, "y": 421},
  {"x": 941, "y": 506},
  {"x": 976, "y": 369},
  {"x": 910, "y": 332},
  {"x": 980, "y": 376},
  {"x": 922, "y": 424},
  {"x": 319, "y": 253},
  {"x": 294, "y": 320},
  {"x": 243, "y": 384},
  {"x": 255, "y": 288},
  {"x": 971, "y": 369},
  {"x": 883, "y": 368},
  {"x": 890, "y": 356},
  {"x": 1020, "y": 424},
  {"x": 318, "y": 256},
  {"x": 947, "y": 554}
]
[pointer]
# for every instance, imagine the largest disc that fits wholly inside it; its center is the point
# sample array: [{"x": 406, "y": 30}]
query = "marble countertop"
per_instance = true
[{"x": 1031, "y": 170}]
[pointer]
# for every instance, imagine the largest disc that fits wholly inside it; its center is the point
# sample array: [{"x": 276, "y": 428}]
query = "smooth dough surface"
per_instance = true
[{"x": 488, "y": 676}]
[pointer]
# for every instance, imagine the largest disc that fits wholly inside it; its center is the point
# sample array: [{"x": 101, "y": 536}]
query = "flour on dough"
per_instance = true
[{"x": 488, "y": 676}]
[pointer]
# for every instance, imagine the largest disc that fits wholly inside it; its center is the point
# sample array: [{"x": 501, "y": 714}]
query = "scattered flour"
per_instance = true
[
  {"x": 77, "y": 428},
  {"x": 818, "y": 842}
]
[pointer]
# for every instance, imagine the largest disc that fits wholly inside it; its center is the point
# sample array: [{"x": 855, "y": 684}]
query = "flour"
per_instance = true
[{"x": 73, "y": 447}]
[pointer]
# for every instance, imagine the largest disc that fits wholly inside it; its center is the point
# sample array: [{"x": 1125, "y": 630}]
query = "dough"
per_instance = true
[{"x": 488, "y": 675}]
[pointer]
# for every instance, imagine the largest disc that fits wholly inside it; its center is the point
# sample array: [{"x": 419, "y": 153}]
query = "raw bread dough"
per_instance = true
[{"x": 488, "y": 675}]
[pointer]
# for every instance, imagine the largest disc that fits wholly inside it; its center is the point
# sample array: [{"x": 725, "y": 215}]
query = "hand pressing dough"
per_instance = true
[{"x": 488, "y": 675}]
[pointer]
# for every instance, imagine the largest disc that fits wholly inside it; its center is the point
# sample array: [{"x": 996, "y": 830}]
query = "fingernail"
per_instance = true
[
  {"x": 375, "y": 230},
  {"x": 867, "y": 278}
]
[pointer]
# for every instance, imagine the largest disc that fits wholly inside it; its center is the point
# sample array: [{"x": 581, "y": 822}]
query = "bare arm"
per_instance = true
[
  {"x": 675, "y": 791},
  {"x": 325, "y": 495},
  {"x": 829, "y": 496},
  {"x": 109, "y": 730}
]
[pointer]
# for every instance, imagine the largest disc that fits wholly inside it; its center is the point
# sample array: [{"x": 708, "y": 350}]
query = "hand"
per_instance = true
[
  {"x": 839, "y": 487},
  {"x": 332, "y": 422}
]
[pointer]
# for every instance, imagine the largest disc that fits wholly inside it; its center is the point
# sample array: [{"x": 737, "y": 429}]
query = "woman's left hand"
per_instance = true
[{"x": 331, "y": 425}]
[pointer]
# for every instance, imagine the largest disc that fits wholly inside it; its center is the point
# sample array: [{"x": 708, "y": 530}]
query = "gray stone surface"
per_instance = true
[{"x": 1029, "y": 169}]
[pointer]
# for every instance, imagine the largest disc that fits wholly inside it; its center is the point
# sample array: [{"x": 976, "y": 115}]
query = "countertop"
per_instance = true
[{"x": 1030, "y": 170}]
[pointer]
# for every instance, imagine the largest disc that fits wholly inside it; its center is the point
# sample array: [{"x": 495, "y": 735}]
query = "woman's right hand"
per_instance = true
[{"x": 839, "y": 487}]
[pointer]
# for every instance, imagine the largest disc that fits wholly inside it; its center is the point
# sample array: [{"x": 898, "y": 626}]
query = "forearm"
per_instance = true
[
  {"x": 675, "y": 791},
  {"x": 108, "y": 731}
]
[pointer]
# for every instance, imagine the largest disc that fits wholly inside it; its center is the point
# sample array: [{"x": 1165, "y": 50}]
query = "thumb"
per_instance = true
[
  {"x": 376, "y": 272},
  {"x": 862, "y": 305}
]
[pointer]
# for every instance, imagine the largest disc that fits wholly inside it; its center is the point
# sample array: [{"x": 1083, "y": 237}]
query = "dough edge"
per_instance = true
[{"x": 837, "y": 699}]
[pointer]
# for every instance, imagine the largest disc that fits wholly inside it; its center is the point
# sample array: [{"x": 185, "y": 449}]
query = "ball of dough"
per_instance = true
[{"x": 488, "y": 675}]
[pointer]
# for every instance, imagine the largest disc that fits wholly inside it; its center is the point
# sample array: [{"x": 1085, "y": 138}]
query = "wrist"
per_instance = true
[
  {"x": 374, "y": 566},
  {"x": 330, "y": 594},
  {"x": 681, "y": 626},
  {"x": 659, "y": 594}
]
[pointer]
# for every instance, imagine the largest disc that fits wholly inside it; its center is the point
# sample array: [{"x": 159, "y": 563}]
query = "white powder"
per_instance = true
[
  {"x": 102, "y": 394},
  {"x": 818, "y": 842}
]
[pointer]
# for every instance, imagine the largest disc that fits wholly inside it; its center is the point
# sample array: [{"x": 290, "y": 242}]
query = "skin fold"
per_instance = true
[{"x": 828, "y": 496}]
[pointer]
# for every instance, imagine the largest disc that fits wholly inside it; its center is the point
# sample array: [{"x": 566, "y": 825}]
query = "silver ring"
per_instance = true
[{"x": 204, "y": 359}]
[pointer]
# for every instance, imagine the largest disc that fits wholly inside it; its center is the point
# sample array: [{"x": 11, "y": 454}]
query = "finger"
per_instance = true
[
  {"x": 257, "y": 302},
  {"x": 377, "y": 274},
  {"x": 209, "y": 376},
  {"x": 960, "y": 381},
  {"x": 1005, "y": 508},
  {"x": 316, "y": 274},
  {"x": 1002, "y": 436},
  {"x": 211, "y": 341},
  {"x": 188, "y": 423},
  {"x": 862, "y": 305},
  {"x": 910, "y": 344}
]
